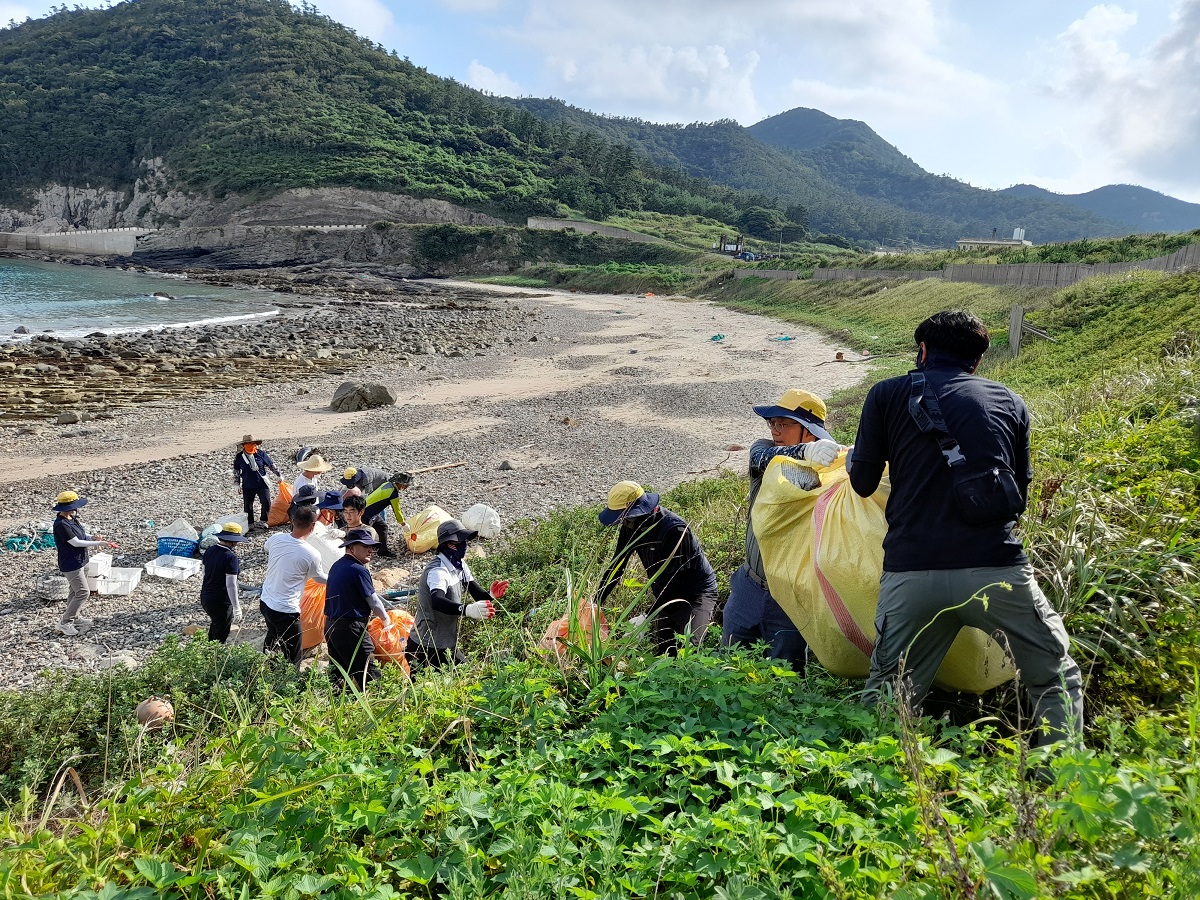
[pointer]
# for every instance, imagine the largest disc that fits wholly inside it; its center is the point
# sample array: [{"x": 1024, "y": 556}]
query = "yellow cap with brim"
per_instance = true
[
  {"x": 799, "y": 406},
  {"x": 626, "y": 500},
  {"x": 67, "y": 501}
]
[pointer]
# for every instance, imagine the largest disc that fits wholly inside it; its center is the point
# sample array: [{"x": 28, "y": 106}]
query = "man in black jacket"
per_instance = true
[
  {"x": 942, "y": 553},
  {"x": 682, "y": 581}
]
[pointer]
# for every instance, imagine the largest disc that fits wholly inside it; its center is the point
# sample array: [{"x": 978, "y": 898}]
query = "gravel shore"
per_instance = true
[{"x": 571, "y": 392}]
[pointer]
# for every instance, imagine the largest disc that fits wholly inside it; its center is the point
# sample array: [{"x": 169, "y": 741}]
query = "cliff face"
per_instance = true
[{"x": 154, "y": 203}]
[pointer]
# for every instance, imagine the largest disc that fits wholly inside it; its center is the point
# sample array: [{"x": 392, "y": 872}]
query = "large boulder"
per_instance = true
[{"x": 351, "y": 396}]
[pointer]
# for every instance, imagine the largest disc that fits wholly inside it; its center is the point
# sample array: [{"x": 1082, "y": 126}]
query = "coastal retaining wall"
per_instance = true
[
  {"x": 852, "y": 274},
  {"x": 592, "y": 228},
  {"x": 104, "y": 242}
]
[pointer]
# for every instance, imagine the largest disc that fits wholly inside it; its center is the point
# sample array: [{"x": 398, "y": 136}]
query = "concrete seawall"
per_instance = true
[
  {"x": 106, "y": 242},
  {"x": 592, "y": 228}
]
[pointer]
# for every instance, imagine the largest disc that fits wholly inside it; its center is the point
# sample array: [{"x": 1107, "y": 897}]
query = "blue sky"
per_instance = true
[{"x": 1066, "y": 95}]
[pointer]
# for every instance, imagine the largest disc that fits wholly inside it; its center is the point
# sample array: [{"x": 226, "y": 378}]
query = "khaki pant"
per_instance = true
[
  {"x": 916, "y": 624},
  {"x": 79, "y": 592}
]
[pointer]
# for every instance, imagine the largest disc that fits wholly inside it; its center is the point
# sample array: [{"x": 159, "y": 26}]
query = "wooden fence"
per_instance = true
[{"x": 1185, "y": 259}]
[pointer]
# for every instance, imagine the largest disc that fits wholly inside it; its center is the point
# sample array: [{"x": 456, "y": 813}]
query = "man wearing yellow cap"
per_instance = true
[
  {"x": 73, "y": 543},
  {"x": 751, "y": 615},
  {"x": 682, "y": 580}
]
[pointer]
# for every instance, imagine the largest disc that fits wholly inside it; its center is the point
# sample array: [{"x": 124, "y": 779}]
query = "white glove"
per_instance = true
[
  {"x": 237, "y": 614},
  {"x": 822, "y": 452},
  {"x": 480, "y": 609},
  {"x": 635, "y": 621}
]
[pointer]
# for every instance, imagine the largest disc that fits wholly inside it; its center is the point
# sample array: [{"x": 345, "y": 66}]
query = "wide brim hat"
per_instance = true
[
  {"x": 360, "y": 536},
  {"x": 349, "y": 476},
  {"x": 306, "y": 496},
  {"x": 67, "y": 501},
  {"x": 799, "y": 406},
  {"x": 331, "y": 500},
  {"x": 315, "y": 463},
  {"x": 249, "y": 439},
  {"x": 454, "y": 530},
  {"x": 231, "y": 532},
  {"x": 626, "y": 500}
]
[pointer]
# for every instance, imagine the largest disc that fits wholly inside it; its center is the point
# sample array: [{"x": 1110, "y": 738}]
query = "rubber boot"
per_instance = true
[{"x": 381, "y": 530}]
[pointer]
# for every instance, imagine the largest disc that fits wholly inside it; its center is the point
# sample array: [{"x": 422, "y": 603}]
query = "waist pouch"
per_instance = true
[{"x": 987, "y": 497}]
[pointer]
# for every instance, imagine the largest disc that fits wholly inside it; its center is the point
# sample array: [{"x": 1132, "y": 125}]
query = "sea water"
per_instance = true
[{"x": 73, "y": 301}]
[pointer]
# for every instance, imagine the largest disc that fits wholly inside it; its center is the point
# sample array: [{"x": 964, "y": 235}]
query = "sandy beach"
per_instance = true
[{"x": 573, "y": 391}]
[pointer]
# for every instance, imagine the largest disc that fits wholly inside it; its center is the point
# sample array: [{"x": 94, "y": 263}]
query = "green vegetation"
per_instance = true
[
  {"x": 1129, "y": 248},
  {"x": 848, "y": 180},
  {"x": 256, "y": 96},
  {"x": 609, "y": 774}
]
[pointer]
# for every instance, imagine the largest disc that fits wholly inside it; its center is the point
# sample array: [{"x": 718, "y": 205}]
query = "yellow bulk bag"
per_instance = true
[
  {"x": 422, "y": 528},
  {"x": 823, "y": 554}
]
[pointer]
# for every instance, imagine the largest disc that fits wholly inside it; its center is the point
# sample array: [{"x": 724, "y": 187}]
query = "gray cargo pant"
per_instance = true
[
  {"x": 79, "y": 592},
  {"x": 908, "y": 634}
]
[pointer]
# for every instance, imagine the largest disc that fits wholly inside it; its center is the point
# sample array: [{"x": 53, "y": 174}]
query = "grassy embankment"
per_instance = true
[{"x": 614, "y": 775}]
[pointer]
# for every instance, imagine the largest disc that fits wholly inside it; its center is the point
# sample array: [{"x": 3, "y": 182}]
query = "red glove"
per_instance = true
[{"x": 498, "y": 588}]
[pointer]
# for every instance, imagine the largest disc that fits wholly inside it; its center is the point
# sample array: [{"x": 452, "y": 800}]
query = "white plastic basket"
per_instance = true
[
  {"x": 173, "y": 568},
  {"x": 119, "y": 581},
  {"x": 99, "y": 565}
]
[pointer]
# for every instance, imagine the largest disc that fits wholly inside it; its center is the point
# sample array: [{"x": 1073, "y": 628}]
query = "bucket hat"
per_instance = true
[
  {"x": 454, "y": 530},
  {"x": 360, "y": 536},
  {"x": 331, "y": 500},
  {"x": 249, "y": 439},
  {"x": 231, "y": 532},
  {"x": 799, "y": 406},
  {"x": 349, "y": 476},
  {"x": 627, "y": 499},
  {"x": 306, "y": 496},
  {"x": 315, "y": 463},
  {"x": 67, "y": 501}
]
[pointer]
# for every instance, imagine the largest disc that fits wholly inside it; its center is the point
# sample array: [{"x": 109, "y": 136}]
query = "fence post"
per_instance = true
[{"x": 1016, "y": 319}]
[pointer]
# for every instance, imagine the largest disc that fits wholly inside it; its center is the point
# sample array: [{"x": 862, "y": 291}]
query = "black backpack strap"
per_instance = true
[{"x": 926, "y": 412}]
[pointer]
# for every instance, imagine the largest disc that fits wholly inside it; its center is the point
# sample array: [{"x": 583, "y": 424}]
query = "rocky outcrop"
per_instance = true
[
  {"x": 155, "y": 202},
  {"x": 351, "y": 396}
]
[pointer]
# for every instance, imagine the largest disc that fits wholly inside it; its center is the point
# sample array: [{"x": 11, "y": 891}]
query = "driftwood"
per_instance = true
[{"x": 435, "y": 468}]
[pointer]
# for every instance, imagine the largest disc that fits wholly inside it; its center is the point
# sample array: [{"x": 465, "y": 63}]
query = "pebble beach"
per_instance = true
[{"x": 546, "y": 397}]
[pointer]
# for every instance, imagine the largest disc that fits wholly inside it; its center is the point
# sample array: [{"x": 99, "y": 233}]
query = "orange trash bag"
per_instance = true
[
  {"x": 558, "y": 632},
  {"x": 312, "y": 615},
  {"x": 390, "y": 646},
  {"x": 278, "y": 514}
]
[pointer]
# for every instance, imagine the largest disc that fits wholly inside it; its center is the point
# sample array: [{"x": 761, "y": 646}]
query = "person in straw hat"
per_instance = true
[
  {"x": 73, "y": 543},
  {"x": 310, "y": 467},
  {"x": 250, "y": 466},
  {"x": 797, "y": 424},
  {"x": 219, "y": 589},
  {"x": 682, "y": 580}
]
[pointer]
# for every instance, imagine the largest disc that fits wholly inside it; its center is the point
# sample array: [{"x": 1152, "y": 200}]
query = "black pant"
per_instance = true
[
  {"x": 220, "y": 612},
  {"x": 350, "y": 648},
  {"x": 283, "y": 629},
  {"x": 419, "y": 656},
  {"x": 263, "y": 495},
  {"x": 379, "y": 523},
  {"x": 670, "y": 619}
]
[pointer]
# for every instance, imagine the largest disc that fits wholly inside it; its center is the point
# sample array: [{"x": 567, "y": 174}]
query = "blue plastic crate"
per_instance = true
[{"x": 170, "y": 546}]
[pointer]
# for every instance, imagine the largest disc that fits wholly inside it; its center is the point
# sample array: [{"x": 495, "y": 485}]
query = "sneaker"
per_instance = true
[
  {"x": 66, "y": 628},
  {"x": 80, "y": 622}
]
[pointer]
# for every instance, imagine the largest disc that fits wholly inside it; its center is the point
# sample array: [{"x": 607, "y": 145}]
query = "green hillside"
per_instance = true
[
  {"x": 607, "y": 773},
  {"x": 850, "y": 180},
  {"x": 1138, "y": 208},
  {"x": 256, "y": 96}
]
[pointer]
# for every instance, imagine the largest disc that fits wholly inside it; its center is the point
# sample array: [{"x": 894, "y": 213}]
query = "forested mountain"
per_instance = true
[
  {"x": 851, "y": 180},
  {"x": 255, "y": 96},
  {"x": 1137, "y": 208}
]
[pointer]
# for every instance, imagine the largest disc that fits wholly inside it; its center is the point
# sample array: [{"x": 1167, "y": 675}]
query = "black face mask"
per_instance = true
[{"x": 455, "y": 554}]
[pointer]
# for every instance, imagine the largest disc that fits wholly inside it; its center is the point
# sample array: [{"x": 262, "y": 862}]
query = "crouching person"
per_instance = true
[
  {"x": 350, "y": 599},
  {"x": 440, "y": 603}
]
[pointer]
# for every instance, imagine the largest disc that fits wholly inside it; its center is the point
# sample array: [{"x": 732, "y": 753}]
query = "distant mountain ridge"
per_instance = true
[{"x": 1142, "y": 209}]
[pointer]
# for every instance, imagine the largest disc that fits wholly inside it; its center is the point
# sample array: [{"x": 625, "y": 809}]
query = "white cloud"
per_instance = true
[
  {"x": 370, "y": 18},
  {"x": 482, "y": 78},
  {"x": 1139, "y": 113}
]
